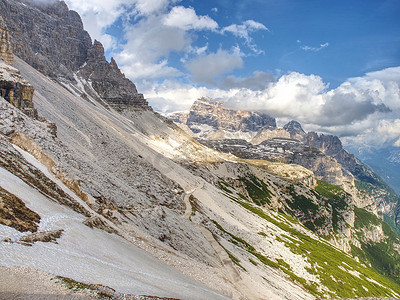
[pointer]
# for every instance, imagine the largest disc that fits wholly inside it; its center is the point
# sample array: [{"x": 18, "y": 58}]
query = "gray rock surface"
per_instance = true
[
  {"x": 214, "y": 114},
  {"x": 50, "y": 37},
  {"x": 46, "y": 35}
]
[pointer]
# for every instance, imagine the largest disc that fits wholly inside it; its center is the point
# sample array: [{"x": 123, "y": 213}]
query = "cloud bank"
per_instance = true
[{"x": 363, "y": 110}]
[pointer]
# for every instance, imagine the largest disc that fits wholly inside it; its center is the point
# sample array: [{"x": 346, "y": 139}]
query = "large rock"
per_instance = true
[{"x": 16, "y": 90}]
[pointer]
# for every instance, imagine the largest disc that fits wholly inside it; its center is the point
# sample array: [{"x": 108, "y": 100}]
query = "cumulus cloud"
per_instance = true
[
  {"x": 148, "y": 45},
  {"x": 363, "y": 110},
  {"x": 97, "y": 16},
  {"x": 186, "y": 18},
  {"x": 206, "y": 68},
  {"x": 171, "y": 96}
]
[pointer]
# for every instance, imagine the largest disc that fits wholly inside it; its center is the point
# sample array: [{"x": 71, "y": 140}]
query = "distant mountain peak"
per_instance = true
[
  {"x": 294, "y": 128},
  {"x": 215, "y": 115}
]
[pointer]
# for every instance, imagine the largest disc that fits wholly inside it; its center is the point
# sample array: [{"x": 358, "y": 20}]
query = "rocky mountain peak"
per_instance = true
[
  {"x": 328, "y": 144},
  {"x": 5, "y": 44},
  {"x": 214, "y": 114},
  {"x": 109, "y": 82},
  {"x": 294, "y": 128},
  {"x": 63, "y": 48}
]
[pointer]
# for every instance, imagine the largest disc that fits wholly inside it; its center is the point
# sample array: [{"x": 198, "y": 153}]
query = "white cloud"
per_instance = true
[
  {"x": 149, "y": 43},
  {"x": 363, "y": 110},
  {"x": 172, "y": 96},
  {"x": 206, "y": 68},
  {"x": 186, "y": 18},
  {"x": 244, "y": 30},
  {"x": 97, "y": 16},
  {"x": 214, "y": 9},
  {"x": 147, "y": 7},
  {"x": 314, "y": 49}
]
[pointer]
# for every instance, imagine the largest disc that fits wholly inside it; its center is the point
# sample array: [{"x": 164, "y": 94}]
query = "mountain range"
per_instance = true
[{"x": 100, "y": 196}]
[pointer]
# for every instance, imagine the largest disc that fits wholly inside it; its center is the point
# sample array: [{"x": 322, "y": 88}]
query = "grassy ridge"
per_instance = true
[{"x": 340, "y": 274}]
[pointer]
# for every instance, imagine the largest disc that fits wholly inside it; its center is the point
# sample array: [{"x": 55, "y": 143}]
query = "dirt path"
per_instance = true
[{"x": 226, "y": 262}]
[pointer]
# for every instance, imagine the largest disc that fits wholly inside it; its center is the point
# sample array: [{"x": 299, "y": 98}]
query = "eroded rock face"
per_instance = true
[
  {"x": 6, "y": 53},
  {"x": 16, "y": 90},
  {"x": 46, "y": 35},
  {"x": 108, "y": 81}
]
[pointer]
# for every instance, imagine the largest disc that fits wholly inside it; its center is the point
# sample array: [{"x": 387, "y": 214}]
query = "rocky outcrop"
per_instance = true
[
  {"x": 16, "y": 90},
  {"x": 6, "y": 53},
  {"x": 46, "y": 35},
  {"x": 108, "y": 81},
  {"x": 328, "y": 144}
]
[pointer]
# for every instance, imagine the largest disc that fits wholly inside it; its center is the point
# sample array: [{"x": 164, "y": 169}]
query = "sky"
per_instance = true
[{"x": 334, "y": 66}]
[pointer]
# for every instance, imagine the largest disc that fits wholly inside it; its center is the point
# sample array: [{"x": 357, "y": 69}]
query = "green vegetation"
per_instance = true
[
  {"x": 301, "y": 202},
  {"x": 257, "y": 189},
  {"x": 233, "y": 258},
  {"x": 384, "y": 192},
  {"x": 235, "y": 240},
  {"x": 364, "y": 218},
  {"x": 224, "y": 186},
  {"x": 75, "y": 285},
  {"x": 80, "y": 286},
  {"x": 331, "y": 265},
  {"x": 383, "y": 255},
  {"x": 194, "y": 203},
  {"x": 341, "y": 276},
  {"x": 336, "y": 197}
]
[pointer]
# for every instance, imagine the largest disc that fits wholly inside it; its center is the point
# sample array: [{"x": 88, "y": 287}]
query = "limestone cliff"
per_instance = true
[{"x": 47, "y": 35}]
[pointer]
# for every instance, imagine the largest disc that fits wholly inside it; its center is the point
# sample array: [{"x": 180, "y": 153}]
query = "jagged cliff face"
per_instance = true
[
  {"x": 49, "y": 37},
  {"x": 322, "y": 154},
  {"x": 108, "y": 81}
]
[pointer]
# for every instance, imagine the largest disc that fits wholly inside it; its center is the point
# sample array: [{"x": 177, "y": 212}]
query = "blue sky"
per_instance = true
[{"x": 332, "y": 65}]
